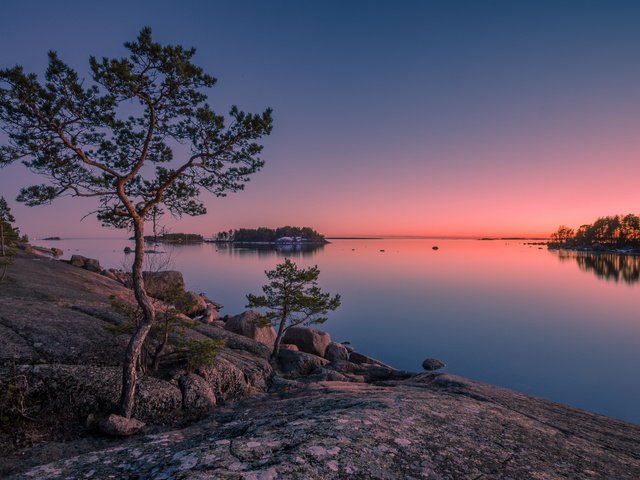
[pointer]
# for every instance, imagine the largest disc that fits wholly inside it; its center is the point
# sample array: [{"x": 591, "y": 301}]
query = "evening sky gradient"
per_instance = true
[{"x": 390, "y": 118}]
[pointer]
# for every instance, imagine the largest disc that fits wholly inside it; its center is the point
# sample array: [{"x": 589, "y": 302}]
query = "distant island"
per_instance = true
[
  {"x": 619, "y": 234},
  {"x": 277, "y": 236},
  {"x": 176, "y": 238}
]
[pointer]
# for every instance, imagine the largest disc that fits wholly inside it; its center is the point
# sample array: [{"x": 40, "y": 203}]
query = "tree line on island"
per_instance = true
[
  {"x": 610, "y": 232},
  {"x": 270, "y": 235}
]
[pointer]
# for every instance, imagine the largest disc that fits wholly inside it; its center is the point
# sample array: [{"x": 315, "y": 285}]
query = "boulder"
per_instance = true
[
  {"x": 297, "y": 364},
  {"x": 118, "y": 426},
  {"x": 192, "y": 304},
  {"x": 308, "y": 340},
  {"x": 432, "y": 364},
  {"x": 92, "y": 265},
  {"x": 288, "y": 346},
  {"x": 78, "y": 261},
  {"x": 247, "y": 325},
  {"x": 336, "y": 351},
  {"x": 163, "y": 285},
  {"x": 197, "y": 396},
  {"x": 56, "y": 252}
]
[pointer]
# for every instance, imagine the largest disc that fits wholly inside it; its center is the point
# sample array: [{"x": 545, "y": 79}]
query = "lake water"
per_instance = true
[{"x": 559, "y": 325}]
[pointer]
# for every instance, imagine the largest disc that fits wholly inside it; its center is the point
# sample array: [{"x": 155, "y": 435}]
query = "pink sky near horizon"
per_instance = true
[{"x": 570, "y": 181}]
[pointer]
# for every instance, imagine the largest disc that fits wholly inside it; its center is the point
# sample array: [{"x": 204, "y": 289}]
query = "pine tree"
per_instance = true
[
  {"x": 140, "y": 134},
  {"x": 292, "y": 297}
]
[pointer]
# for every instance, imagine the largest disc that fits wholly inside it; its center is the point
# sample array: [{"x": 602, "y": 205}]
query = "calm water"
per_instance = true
[{"x": 559, "y": 325}]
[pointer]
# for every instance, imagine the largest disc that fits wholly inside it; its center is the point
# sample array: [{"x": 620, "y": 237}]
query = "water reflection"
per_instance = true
[
  {"x": 610, "y": 266},
  {"x": 269, "y": 250}
]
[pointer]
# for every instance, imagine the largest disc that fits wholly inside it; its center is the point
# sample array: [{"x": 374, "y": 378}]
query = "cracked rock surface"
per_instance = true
[{"x": 431, "y": 426}]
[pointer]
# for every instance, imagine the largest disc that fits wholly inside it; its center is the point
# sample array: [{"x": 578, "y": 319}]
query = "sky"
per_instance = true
[{"x": 456, "y": 118}]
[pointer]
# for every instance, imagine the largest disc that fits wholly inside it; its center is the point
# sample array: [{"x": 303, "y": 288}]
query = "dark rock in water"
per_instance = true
[
  {"x": 56, "y": 252},
  {"x": 435, "y": 247},
  {"x": 432, "y": 364},
  {"x": 128, "y": 250},
  {"x": 336, "y": 351},
  {"x": 163, "y": 285},
  {"x": 296, "y": 364},
  {"x": 197, "y": 396},
  {"x": 247, "y": 324},
  {"x": 308, "y": 340},
  {"x": 118, "y": 426},
  {"x": 52, "y": 238}
]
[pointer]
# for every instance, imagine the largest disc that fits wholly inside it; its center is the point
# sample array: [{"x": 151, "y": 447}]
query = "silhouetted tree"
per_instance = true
[
  {"x": 292, "y": 297},
  {"x": 98, "y": 139}
]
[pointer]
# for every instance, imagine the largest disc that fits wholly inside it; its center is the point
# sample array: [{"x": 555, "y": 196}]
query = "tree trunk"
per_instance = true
[
  {"x": 132, "y": 355},
  {"x": 281, "y": 329}
]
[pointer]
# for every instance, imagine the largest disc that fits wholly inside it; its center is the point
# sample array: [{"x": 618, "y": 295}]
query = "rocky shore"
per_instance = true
[{"x": 320, "y": 410}]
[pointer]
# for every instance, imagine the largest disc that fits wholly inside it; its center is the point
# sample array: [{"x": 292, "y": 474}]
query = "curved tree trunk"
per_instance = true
[{"x": 132, "y": 355}]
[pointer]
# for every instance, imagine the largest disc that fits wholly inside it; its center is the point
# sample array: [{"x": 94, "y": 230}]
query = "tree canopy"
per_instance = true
[
  {"x": 617, "y": 230},
  {"x": 293, "y": 297}
]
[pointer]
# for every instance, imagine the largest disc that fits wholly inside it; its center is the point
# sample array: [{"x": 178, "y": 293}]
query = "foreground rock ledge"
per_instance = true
[{"x": 431, "y": 426}]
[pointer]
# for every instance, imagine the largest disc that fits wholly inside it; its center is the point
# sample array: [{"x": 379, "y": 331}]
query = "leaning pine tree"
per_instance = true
[{"x": 139, "y": 135}]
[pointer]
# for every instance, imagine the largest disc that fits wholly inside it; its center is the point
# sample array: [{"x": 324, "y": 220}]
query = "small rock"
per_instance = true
[
  {"x": 432, "y": 364},
  {"x": 118, "y": 426},
  {"x": 128, "y": 250}
]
